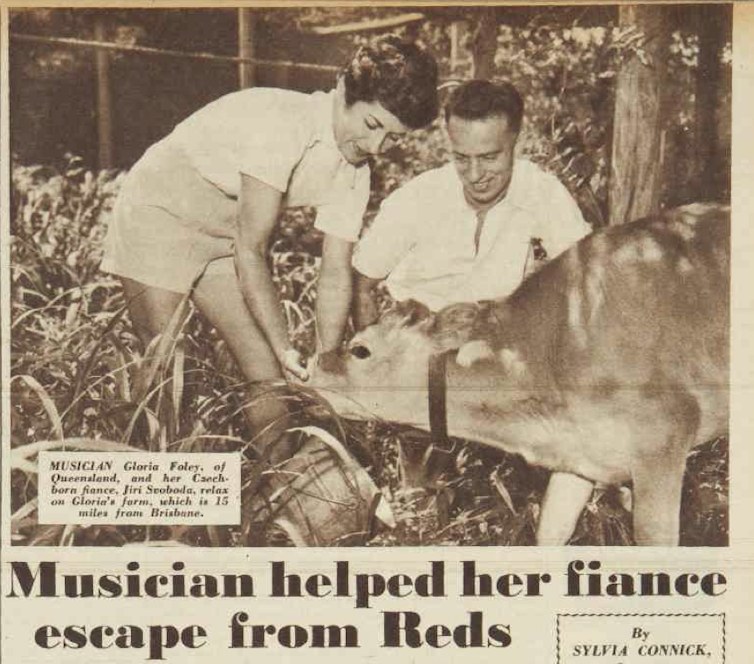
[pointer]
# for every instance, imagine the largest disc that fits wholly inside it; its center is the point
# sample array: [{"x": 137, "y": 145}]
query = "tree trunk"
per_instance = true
[
  {"x": 484, "y": 43},
  {"x": 636, "y": 165},
  {"x": 711, "y": 29}
]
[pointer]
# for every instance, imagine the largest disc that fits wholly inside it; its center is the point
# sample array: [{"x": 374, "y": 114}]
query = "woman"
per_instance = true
[{"x": 200, "y": 205}]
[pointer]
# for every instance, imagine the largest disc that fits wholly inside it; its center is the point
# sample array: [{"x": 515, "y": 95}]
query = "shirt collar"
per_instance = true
[
  {"x": 323, "y": 116},
  {"x": 520, "y": 190}
]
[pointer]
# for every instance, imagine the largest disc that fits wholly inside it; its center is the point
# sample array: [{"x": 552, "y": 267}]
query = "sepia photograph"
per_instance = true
[{"x": 368, "y": 276}]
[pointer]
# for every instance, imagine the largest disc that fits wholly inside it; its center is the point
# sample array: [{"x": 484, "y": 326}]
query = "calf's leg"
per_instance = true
[
  {"x": 658, "y": 482},
  {"x": 563, "y": 502}
]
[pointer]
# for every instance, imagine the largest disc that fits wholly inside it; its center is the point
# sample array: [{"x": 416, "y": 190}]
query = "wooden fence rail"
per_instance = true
[{"x": 148, "y": 50}]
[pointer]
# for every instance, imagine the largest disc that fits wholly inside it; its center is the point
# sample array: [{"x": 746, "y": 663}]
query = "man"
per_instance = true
[{"x": 472, "y": 229}]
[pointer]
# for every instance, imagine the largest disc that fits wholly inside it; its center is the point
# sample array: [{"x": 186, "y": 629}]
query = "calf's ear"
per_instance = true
[
  {"x": 416, "y": 313},
  {"x": 408, "y": 313},
  {"x": 452, "y": 326}
]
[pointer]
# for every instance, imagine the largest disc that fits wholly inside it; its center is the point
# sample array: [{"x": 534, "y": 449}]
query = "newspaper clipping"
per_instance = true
[{"x": 340, "y": 331}]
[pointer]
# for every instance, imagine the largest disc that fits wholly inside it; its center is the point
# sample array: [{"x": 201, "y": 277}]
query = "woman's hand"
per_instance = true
[{"x": 293, "y": 363}]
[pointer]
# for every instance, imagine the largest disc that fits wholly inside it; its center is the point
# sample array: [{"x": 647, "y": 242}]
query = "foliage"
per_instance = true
[
  {"x": 566, "y": 75},
  {"x": 78, "y": 377},
  {"x": 565, "y": 70}
]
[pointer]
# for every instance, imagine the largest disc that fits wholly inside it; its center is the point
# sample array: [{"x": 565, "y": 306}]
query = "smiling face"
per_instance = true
[
  {"x": 483, "y": 153},
  {"x": 364, "y": 129}
]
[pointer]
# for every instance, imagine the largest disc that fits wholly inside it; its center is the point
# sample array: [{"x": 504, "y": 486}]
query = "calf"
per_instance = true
[{"x": 606, "y": 366}]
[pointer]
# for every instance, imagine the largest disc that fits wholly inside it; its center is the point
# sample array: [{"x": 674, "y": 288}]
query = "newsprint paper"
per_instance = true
[{"x": 150, "y": 512}]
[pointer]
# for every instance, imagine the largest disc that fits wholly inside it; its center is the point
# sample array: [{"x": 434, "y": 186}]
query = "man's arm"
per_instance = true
[
  {"x": 333, "y": 292},
  {"x": 385, "y": 244},
  {"x": 365, "y": 310}
]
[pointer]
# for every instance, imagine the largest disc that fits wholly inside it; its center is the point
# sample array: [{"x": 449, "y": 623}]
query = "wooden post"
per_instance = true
[
  {"x": 282, "y": 77},
  {"x": 246, "y": 47},
  {"x": 454, "y": 46},
  {"x": 635, "y": 169},
  {"x": 104, "y": 99},
  {"x": 484, "y": 43}
]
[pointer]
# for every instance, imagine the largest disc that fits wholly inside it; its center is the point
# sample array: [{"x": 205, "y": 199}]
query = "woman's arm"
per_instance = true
[
  {"x": 333, "y": 292},
  {"x": 259, "y": 205}
]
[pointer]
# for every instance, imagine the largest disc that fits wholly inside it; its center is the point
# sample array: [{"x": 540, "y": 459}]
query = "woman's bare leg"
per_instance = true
[
  {"x": 219, "y": 298},
  {"x": 151, "y": 311},
  {"x": 150, "y": 308}
]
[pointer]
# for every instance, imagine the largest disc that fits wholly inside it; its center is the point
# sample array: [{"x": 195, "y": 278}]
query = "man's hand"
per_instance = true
[{"x": 365, "y": 309}]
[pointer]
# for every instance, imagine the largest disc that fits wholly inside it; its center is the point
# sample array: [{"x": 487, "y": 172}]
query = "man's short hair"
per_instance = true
[{"x": 480, "y": 99}]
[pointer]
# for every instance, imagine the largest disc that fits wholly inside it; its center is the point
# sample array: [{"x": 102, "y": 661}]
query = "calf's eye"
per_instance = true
[{"x": 359, "y": 351}]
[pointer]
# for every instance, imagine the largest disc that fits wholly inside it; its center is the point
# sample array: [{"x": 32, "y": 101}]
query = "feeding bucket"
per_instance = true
[{"x": 320, "y": 496}]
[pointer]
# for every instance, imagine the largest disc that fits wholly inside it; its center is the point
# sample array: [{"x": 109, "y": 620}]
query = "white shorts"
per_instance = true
[{"x": 169, "y": 225}]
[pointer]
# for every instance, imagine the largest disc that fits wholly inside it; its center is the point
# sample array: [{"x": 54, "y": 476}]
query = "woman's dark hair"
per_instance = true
[
  {"x": 479, "y": 99},
  {"x": 400, "y": 75}
]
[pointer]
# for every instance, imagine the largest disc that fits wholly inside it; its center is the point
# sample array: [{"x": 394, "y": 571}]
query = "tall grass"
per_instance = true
[{"x": 79, "y": 382}]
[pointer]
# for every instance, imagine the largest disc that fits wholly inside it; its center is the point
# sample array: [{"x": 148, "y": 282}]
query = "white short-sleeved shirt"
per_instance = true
[
  {"x": 422, "y": 239},
  {"x": 176, "y": 213},
  {"x": 284, "y": 139}
]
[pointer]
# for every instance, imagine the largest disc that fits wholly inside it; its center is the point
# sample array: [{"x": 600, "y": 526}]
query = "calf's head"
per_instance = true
[{"x": 383, "y": 369}]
